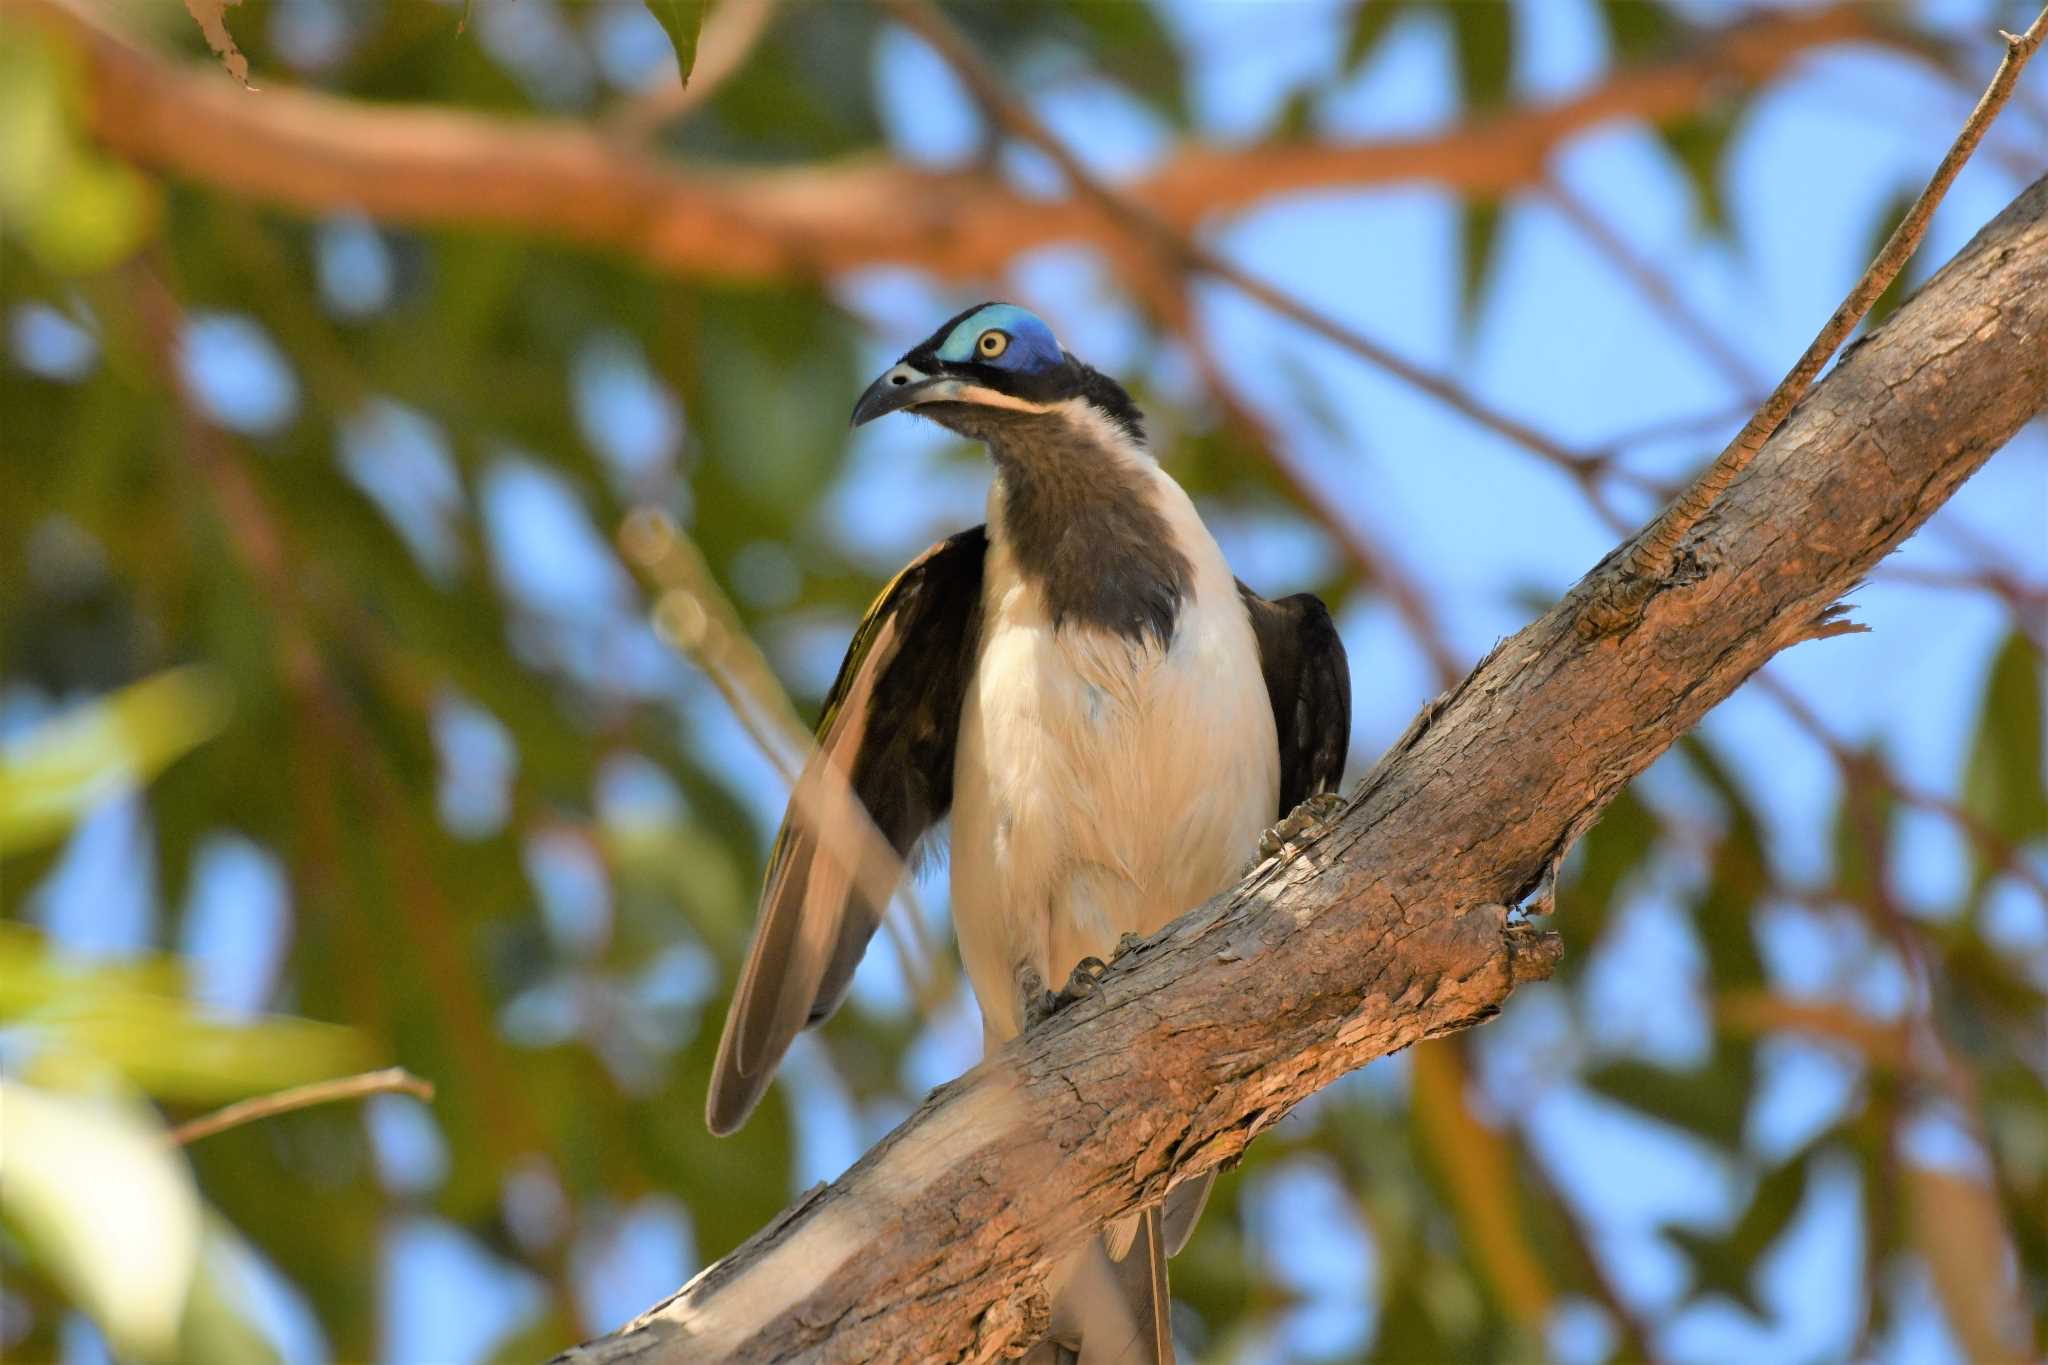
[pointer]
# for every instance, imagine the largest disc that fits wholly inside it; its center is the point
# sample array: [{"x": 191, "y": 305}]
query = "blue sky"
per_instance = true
[{"x": 1562, "y": 341}]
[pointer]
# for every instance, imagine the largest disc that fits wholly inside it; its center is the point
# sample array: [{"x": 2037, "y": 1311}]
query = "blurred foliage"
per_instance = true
[
  {"x": 61, "y": 770},
  {"x": 74, "y": 208},
  {"x": 520, "y": 852}
]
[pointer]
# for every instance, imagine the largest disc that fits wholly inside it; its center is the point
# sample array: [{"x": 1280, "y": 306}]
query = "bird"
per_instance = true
[{"x": 1111, "y": 720}]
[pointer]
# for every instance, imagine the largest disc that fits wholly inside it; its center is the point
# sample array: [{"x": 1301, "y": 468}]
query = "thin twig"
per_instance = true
[
  {"x": 2028, "y": 602},
  {"x": 1650, "y": 558},
  {"x": 1960, "y": 533},
  {"x": 2031, "y": 596},
  {"x": 392, "y": 1080}
]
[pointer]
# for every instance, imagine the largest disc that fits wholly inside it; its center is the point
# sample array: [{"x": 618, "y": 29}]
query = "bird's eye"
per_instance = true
[{"x": 992, "y": 344}]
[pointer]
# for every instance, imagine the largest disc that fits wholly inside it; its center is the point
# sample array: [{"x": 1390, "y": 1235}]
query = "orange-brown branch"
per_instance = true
[{"x": 319, "y": 153}]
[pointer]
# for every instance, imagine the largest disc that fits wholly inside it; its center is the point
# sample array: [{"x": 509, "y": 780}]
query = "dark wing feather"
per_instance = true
[
  {"x": 890, "y": 726},
  {"x": 1309, "y": 684}
]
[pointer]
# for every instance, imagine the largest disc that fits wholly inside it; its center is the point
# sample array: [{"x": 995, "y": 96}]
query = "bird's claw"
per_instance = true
[
  {"x": 1304, "y": 820},
  {"x": 1085, "y": 980},
  {"x": 1037, "y": 1001}
]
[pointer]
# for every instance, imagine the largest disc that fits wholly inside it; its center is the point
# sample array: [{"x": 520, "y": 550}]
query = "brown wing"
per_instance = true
[
  {"x": 889, "y": 729},
  {"x": 1309, "y": 684}
]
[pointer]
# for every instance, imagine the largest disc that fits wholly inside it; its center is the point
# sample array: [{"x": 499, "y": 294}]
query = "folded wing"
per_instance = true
[
  {"x": 883, "y": 765},
  {"x": 1309, "y": 683}
]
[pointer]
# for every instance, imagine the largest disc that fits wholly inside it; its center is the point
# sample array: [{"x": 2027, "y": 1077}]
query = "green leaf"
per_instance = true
[
  {"x": 1862, "y": 837},
  {"x": 1611, "y": 850},
  {"x": 1296, "y": 120},
  {"x": 77, "y": 210},
  {"x": 70, "y": 764},
  {"x": 1483, "y": 37},
  {"x": 167, "y": 1048},
  {"x": 752, "y": 351},
  {"x": 2003, "y": 784},
  {"x": 79, "y": 1021},
  {"x": 1728, "y": 1264},
  {"x": 1711, "y": 1101},
  {"x": 1370, "y": 21},
  {"x": 1639, "y": 29},
  {"x": 110, "y": 1210},
  {"x": 681, "y": 20},
  {"x": 1890, "y": 214},
  {"x": 1408, "y": 1331},
  {"x": 1479, "y": 225},
  {"x": 1134, "y": 47},
  {"x": 316, "y": 1164},
  {"x": 1312, "y": 398},
  {"x": 1738, "y": 876},
  {"x": 1700, "y": 142},
  {"x": 217, "y": 1328}
]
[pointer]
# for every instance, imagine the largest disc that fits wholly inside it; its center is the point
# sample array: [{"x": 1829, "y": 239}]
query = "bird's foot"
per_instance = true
[
  {"x": 1084, "y": 980},
  {"x": 1041, "y": 1004},
  {"x": 1305, "y": 820}
]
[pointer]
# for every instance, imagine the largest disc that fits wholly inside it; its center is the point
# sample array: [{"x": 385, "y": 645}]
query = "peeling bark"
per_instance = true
[{"x": 1390, "y": 926}]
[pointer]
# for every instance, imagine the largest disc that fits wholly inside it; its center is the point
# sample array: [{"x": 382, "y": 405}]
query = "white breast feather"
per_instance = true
[{"x": 1103, "y": 787}]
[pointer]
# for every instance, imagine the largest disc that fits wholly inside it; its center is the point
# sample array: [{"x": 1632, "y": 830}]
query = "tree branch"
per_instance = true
[
  {"x": 1653, "y": 553},
  {"x": 1392, "y": 926},
  {"x": 319, "y": 153},
  {"x": 1152, "y": 231}
]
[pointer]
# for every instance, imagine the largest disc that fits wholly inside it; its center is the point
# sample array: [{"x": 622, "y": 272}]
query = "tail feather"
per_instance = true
[
  {"x": 1183, "y": 1209},
  {"x": 1112, "y": 1312}
]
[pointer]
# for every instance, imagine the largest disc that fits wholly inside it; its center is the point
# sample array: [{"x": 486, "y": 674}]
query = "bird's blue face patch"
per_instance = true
[
  {"x": 1028, "y": 348},
  {"x": 989, "y": 363}
]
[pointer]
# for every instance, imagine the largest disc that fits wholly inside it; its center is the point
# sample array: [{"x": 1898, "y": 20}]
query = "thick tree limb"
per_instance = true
[
  {"x": 1390, "y": 927},
  {"x": 429, "y": 165}
]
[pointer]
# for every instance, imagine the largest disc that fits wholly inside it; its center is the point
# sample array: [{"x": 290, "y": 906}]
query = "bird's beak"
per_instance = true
[{"x": 904, "y": 385}]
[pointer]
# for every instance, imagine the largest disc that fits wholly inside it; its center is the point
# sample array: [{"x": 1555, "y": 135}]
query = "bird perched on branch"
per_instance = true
[{"x": 1110, "y": 719}]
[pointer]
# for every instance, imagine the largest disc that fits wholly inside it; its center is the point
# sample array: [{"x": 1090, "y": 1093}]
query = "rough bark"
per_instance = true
[
  {"x": 1391, "y": 926},
  {"x": 429, "y": 165}
]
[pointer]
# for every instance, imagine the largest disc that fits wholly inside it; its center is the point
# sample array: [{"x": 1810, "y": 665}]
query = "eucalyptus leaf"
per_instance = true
[
  {"x": 1890, "y": 213},
  {"x": 1639, "y": 30},
  {"x": 1371, "y": 20},
  {"x": 1479, "y": 232},
  {"x": 681, "y": 20},
  {"x": 54, "y": 775},
  {"x": 100, "y": 1199},
  {"x": 2003, "y": 782},
  {"x": 1483, "y": 39}
]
